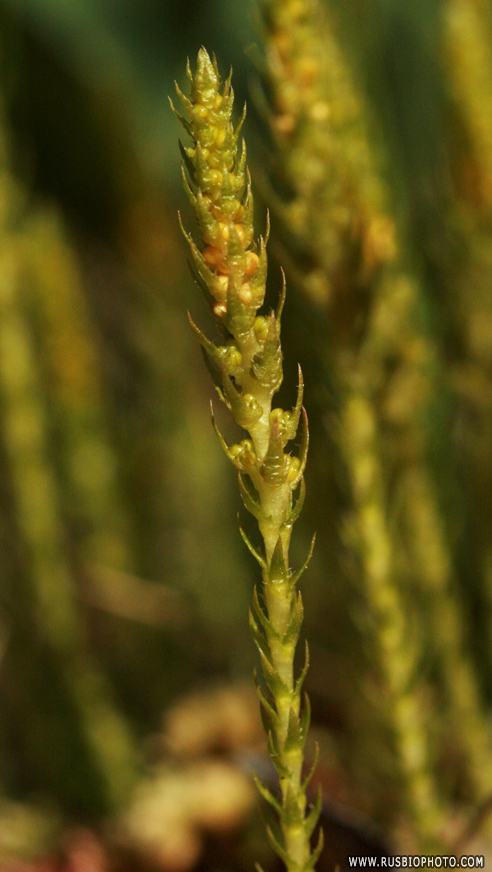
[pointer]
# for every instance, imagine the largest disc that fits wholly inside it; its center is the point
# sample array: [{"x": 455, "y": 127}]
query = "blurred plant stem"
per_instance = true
[
  {"x": 467, "y": 49},
  {"x": 45, "y": 601},
  {"x": 466, "y": 52},
  {"x": 67, "y": 344}
]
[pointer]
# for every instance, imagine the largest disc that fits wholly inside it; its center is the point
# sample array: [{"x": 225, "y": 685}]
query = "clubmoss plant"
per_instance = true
[{"x": 247, "y": 369}]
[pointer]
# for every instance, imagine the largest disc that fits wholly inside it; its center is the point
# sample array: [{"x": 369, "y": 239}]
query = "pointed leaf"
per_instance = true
[
  {"x": 250, "y": 503},
  {"x": 273, "y": 822},
  {"x": 267, "y": 795},
  {"x": 240, "y": 169},
  {"x": 296, "y": 411},
  {"x": 258, "y": 279},
  {"x": 214, "y": 375},
  {"x": 259, "y": 640},
  {"x": 216, "y": 67},
  {"x": 296, "y": 576},
  {"x": 265, "y": 720},
  {"x": 277, "y": 847},
  {"x": 227, "y": 83},
  {"x": 209, "y": 226},
  {"x": 312, "y": 818},
  {"x": 293, "y": 739},
  {"x": 275, "y": 684},
  {"x": 312, "y": 769},
  {"x": 206, "y": 79},
  {"x": 248, "y": 206},
  {"x": 199, "y": 261},
  {"x": 291, "y": 634},
  {"x": 201, "y": 284},
  {"x": 275, "y": 469},
  {"x": 267, "y": 363},
  {"x": 227, "y": 198},
  {"x": 239, "y": 317},
  {"x": 278, "y": 571},
  {"x": 240, "y": 124},
  {"x": 311, "y": 863},
  {"x": 299, "y": 503},
  {"x": 188, "y": 191},
  {"x": 228, "y": 103},
  {"x": 303, "y": 449},
  {"x": 215, "y": 353},
  {"x": 283, "y": 292},
  {"x": 202, "y": 169},
  {"x": 188, "y": 161},
  {"x": 236, "y": 253},
  {"x": 184, "y": 99},
  {"x": 270, "y": 631},
  {"x": 269, "y": 718},
  {"x": 186, "y": 124},
  {"x": 244, "y": 407},
  {"x": 303, "y": 674},
  {"x": 305, "y": 719},
  {"x": 292, "y": 813},
  {"x": 222, "y": 441},
  {"x": 253, "y": 551},
  {"x": 274, "y": 754}
]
